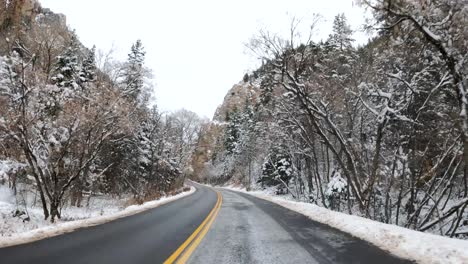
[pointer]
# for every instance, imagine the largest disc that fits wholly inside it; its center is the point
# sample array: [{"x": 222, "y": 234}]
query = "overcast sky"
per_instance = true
[{"x": 195, "y": 48}]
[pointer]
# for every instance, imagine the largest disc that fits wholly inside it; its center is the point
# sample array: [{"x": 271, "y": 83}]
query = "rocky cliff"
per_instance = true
[
  {"x": 236, "y": 98},
  {"x": 20, "y": 20},
  {"x": 15, "y": 12}
]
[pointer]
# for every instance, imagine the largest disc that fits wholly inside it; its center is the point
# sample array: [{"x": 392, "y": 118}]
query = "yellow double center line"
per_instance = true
[{"x": 182, "y": 254}]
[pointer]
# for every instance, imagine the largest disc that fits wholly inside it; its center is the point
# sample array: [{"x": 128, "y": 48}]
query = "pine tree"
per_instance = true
[
  {"x": 341, "y": 38},
  {"x": 67, "y": 68},
  {"x": 246, "y": 77},
  {"x": 338, "y": 52},
  {"x": 277, "y": 168},
  {"x": 88, "y": 70},
  {"x": 133, "y": 79},
  {"x": 232, "y": 132}
]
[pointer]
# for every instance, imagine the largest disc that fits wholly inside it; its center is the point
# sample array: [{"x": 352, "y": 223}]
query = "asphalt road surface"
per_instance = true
[
  {"x": 245, "y": 230},
  {"x": 251, "y": 230},
  {"x": 149, "y": 237}
]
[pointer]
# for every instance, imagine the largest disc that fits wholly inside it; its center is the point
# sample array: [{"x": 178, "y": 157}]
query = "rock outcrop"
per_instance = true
[
  {"x": 236, "y": 98},
  {"x": 15, "y": 12},
  {"x": 22, "y": 15}
]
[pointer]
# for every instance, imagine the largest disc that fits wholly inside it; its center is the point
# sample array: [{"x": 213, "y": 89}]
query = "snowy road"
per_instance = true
[
  {"x": 240, "y": 229},
  {"x": 146, "y": 238},
  {"x": 252, "y": 230}
]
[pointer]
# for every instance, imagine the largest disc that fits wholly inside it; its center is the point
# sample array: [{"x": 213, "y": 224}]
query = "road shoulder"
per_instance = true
[
  {"x": 401, "y": 242},
  {"x": 67, "y": 227}
]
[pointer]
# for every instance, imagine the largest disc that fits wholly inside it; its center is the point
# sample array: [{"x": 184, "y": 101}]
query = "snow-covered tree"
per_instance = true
[
  {"x": 232, "y": 131},
  {"x": 68, "y": 67},
  {"x": 134, "y": 72},
  {"x": 341, "y": 38},
  {"x": 387, "y": 116},
  {"x": 88, "y": 69}
]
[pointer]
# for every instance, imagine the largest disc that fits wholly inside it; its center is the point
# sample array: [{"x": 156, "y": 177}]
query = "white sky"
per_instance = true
[{"x": 195, "y": 47}]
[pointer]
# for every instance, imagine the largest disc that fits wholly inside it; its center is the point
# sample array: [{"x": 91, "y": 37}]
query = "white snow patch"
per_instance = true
[
  {"x": 336, "y": 185},
  {"x": 402, "y": 242},
  {"x": 59, "y": 228},
  {"x": 6, "y": 195}
]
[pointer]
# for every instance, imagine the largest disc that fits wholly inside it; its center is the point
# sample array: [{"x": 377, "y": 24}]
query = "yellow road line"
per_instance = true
[
  {"x": 176, "y": 254},
  {"x": 183, "y": 259}
]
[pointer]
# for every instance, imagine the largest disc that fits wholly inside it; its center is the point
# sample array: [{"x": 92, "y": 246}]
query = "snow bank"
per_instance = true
[
  {"x": 66, "y": 227},
  {"x": 402, "y": 242}
]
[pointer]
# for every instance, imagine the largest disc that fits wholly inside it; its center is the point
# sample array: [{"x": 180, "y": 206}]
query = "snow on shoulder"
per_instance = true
[
  {"x": 67, "y": 227},
  {"x": 402, "y": 242}
]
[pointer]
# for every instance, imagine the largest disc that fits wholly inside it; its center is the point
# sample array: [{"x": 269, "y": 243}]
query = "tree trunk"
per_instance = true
[
  {"x": 39, "y": 186},
  {"x": 43, "y": 199},
  {"x": 54, "y": 210},
  {"x": 375, "y": 167},
  {"x": 465, "y": 160}
]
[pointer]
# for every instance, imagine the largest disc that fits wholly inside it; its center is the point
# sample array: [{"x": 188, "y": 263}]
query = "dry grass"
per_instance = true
[
  {"x": 153, "y": 196},
  {"x": 133, "y": 201}
]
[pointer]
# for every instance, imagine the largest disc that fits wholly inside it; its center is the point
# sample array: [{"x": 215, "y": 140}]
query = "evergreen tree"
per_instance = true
[
  {"x": 67, "y": 68},
  {"x": 88, "y": 69},
  {"x": 133, "y": 79},
  {"x": 246, "y": 77},
  {"x": 341, "y": 38},
  {"x": 232, "y": 132},
  {"x": 338, "y": 53},
  {"x": 277, "y": 169}
]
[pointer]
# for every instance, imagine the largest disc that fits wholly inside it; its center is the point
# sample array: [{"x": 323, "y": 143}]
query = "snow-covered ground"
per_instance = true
[
  {"x": 13, "y": 230},
  {"x": 409, "y": 244}
]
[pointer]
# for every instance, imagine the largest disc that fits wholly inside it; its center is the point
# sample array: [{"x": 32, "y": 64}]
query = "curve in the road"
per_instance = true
[
  {"x": 145, "y": 238},
  {"x": 182, "y": 254},
  {"x": 252, "y": 230},
  {"x": 246, "y": 230}
]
